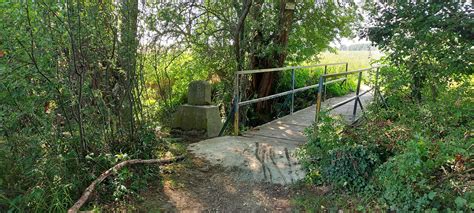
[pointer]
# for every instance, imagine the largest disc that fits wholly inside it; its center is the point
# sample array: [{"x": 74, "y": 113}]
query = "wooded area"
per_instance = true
[{"x": 87, "y": 85}]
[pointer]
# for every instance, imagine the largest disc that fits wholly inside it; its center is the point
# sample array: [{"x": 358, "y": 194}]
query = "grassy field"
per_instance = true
[
  {"x": 310, "y": 76},
  {"x": 356, "y": 59}
]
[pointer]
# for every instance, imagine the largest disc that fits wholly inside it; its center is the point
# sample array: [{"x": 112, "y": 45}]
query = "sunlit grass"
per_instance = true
[{"x": 356, "y": 59}]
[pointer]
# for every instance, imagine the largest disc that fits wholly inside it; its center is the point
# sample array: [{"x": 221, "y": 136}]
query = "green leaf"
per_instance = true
[
  {"x": 431, "y": 195},
  {"x": 460, "y": 202}
]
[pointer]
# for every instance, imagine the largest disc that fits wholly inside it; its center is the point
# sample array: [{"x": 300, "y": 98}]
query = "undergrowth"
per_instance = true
[{"x": 404, "y": 156}]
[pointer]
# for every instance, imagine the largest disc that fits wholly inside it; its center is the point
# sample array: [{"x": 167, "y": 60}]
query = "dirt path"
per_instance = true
[{"x": 194, "y": 186}]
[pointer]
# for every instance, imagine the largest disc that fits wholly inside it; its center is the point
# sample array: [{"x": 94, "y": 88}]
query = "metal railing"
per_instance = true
[
  {"x": 321, "y": 85},
  {"x": 323, "y": 82},
  {"x": 237, "y": 103}
]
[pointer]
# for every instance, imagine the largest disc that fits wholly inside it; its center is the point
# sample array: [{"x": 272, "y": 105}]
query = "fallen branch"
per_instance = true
[
  {"x": 114, "y": 169},
  {"x": 453, "y": 175}
]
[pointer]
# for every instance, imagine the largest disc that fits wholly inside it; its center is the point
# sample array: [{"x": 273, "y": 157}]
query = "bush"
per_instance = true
[
  {"x": 325, "y": 138},
  {"x": 410, "y": 180},
  {"x": 349, "y": 167},
  {"x": 334, "y": 160},
  {"x": 404, "y": 157}
]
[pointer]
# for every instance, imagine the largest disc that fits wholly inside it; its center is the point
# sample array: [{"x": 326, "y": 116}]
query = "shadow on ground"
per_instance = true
[{"x": 195, "y": 186}]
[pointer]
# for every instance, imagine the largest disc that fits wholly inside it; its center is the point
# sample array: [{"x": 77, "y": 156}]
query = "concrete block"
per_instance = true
[
  {"x": 189, "y": 117},
  {"x": 199, "y": 93}
]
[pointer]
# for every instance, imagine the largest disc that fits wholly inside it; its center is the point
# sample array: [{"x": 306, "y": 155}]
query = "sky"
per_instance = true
[{"x": 346, "y": 41}]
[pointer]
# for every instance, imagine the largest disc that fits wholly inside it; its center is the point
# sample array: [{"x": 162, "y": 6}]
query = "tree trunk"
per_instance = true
[
  {"x": 417, "y": 86},
  {"x": 128, "y": 62},
  {"x": 263, "y": 83},
  {"x": 239, "y": 32}
]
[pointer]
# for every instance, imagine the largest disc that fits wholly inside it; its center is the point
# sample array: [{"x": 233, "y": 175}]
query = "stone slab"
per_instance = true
[
  {"x": 199, "y": 93},
  {"x": 254, "y": 159},
  {"x": 189, "y": 117}
]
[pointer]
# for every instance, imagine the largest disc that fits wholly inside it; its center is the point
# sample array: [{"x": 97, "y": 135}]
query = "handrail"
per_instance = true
[
  {"x": 321, "y": 85},
  {"x": 356, "y": 97},
  {"x": 291, "y": 92},
  {"x": 334, "y": 106},
  {"x": 243, "y": 103},
  {"x": 350, "y": 72},
  {"x": 243, "y": 72},
  {"x": 265, "y": 98}
]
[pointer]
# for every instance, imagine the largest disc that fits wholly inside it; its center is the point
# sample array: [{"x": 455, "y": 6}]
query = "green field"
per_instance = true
[
  {"x": 310, "y": 76},
  {"x": 356, "y": 59}
]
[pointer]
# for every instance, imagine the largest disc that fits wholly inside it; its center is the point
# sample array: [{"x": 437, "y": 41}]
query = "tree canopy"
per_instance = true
[
  {"x": 430, "y": 42},
  {"x": 88, "y": 88}
]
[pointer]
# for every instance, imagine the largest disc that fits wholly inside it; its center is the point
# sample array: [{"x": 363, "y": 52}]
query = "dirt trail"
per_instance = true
[{"x": 194, "y": 186}]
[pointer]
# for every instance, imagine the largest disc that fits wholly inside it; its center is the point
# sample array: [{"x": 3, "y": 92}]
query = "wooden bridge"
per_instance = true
[
  {"x": 324, "y": 80},
  {"x": 267, "y": 153},
  {"x": 291, "y": 127}
]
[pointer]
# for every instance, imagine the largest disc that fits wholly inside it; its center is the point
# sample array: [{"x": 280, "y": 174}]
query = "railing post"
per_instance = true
[
  {"x": 357, "y": 96},
  {"x": 347, "y": 70},
  {"x": 236, "y": 104},
  {"x": 376, "y": 85},
  {"x": 318, "y": 98},
  {"x": 347, "y": 67},
  {"x": 325, "y": 72},
  {"x": 292, "y": 107}
]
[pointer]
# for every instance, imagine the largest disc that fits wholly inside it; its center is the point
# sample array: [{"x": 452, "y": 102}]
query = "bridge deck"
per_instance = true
[
  {"x": 291, "y": 127},
  {"x": 267, "y": 153}
]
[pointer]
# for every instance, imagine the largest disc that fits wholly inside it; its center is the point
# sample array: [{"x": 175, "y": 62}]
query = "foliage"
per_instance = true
[
  {"x": 332, "y": 202},
  {"x": 435, "y": 148},
  {"x": 429, "y": 42},
  {"x": 167, "y": 79},
  {"x": 340, "y": 162},
  {"x": 406, "y": 180},
  {"x": 320, "y": 142},
  {"x": 349, "y": 167},
  {"x": 316, "y": 26},
  {"x": 70, "y": 104},
  {"x": 417, "y": 159},
  {"x": 279, "y": 34},
  {"x": 204, "y": 46},
  {"x": 84, "y": 84},
  {"x": 423, "y": 150}
]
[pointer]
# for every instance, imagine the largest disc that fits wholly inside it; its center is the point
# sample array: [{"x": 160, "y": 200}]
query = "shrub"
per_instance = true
[
  {"x": 413, "y": 179},
  {"x": 404, "y": 157},
  {"x": 349, "y": 167},
  {"x": 325, "y": 138},
  {"x": 330, "y": 158}
]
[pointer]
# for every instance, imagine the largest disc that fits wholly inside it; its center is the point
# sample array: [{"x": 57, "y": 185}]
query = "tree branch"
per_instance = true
[
  {"x": 114, "y": 169},
  {"x": 239, "y": 32}
]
